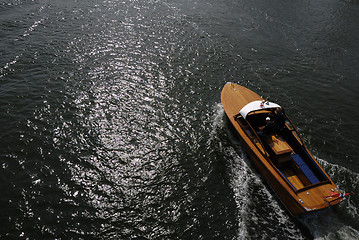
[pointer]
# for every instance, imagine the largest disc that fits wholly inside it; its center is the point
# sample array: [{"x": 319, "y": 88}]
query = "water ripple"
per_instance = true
[{"x": 111, "y": 127}]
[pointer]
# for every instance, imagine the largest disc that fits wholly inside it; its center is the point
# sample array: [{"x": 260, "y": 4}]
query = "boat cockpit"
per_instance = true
[{"x": 272, "y": 132}]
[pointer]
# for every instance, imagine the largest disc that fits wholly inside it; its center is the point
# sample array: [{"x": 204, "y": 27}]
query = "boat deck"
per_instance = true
[
  {"x": 293, "y": 178},
  {"x": 281, "y": 157}
]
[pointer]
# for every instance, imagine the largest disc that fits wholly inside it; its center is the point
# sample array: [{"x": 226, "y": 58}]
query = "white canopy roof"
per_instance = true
[{"x": 257, "y": 105}]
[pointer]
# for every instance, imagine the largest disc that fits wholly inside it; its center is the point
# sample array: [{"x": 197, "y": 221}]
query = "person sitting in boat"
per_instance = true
[
  {"x": 279, "y": 121},
  {"x": 267, "y": 130}
]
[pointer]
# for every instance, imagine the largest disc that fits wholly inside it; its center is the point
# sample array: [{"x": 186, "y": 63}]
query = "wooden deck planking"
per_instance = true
[
  {"x": 233, "y": 98},
  {"x": 293, "y": 178}
]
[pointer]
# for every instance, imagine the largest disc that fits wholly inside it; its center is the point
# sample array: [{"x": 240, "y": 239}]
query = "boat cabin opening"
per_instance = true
[{"x": 277, "y": 139}]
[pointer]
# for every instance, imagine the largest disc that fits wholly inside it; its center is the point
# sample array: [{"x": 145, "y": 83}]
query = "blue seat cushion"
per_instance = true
[{"x": 305, "y": 169}]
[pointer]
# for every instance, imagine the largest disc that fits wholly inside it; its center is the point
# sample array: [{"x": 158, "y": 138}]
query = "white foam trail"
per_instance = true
[
  {"x": 341, "y": 221},
  {"x": 239, "y": 182},
  {"x": 217, "y": 121},
  {"x": 239, "y": 172},
  {"x": 347, "y": 181},
  {"x": 243, "y": 179},
  {"x": 328, "y": 225}
]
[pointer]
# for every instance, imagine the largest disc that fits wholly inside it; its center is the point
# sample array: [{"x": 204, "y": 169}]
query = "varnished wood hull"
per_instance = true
[{"x": 234, "y": 97}]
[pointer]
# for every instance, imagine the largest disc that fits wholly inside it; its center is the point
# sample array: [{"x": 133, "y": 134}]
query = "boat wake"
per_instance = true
[
  {"x": 329, "y": 225},
  {"x": 257, "y": 205},
  {"x": 340, "y": 222}
]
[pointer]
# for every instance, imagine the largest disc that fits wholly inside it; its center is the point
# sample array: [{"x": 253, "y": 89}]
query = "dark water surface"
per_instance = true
[{"x": 111, "y": 125}]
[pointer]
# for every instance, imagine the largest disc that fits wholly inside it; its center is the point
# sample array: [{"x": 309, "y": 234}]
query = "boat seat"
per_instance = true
[{"x": 305, "y": 169}]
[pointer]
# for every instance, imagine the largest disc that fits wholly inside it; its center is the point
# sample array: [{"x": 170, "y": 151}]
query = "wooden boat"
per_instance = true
[{"x": 279, "y": 153}]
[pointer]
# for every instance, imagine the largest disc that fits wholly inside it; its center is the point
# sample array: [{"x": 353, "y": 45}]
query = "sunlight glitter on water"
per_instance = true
[{"x": 111, "y": 127}]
